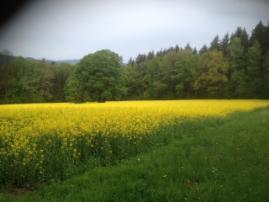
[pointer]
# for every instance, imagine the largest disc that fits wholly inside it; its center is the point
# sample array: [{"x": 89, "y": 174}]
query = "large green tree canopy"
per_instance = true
[{"x": 99, "y": 76}]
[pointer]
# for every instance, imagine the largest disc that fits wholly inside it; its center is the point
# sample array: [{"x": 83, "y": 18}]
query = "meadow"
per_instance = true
[{"x": 44, "y": 142}]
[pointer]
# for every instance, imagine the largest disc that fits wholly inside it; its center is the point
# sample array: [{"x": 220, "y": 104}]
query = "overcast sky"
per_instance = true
[{"x": 70, "y": 29}]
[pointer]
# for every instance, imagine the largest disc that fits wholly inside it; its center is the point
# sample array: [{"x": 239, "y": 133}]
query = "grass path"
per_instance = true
[{"x": 203, "y": 160}]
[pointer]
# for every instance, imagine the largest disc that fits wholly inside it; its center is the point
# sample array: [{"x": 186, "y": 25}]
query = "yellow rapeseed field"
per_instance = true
[{"x": 37, "y": 136}]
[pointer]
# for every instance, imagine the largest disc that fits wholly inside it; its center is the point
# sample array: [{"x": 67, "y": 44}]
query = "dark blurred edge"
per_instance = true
[{"x": 9, "y": 8}]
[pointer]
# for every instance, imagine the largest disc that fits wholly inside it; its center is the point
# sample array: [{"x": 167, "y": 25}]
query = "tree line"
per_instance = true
[{"x": 235, "y": 66}]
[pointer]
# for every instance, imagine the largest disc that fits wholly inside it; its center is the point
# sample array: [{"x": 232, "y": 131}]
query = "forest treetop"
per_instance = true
[{"x": 236, "y": 66}]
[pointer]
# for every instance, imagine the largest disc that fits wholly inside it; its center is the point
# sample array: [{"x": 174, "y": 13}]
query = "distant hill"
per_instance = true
[
  {"x": 72, "y": 62},
  {"x": 8, "y": 58}
]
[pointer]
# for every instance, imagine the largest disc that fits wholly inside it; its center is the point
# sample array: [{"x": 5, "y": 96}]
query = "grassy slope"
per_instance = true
[{"x": 214, "y": 160}]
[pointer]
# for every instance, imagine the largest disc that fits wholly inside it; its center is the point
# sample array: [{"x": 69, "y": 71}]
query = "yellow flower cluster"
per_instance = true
[{"x": 26, "y": 130}]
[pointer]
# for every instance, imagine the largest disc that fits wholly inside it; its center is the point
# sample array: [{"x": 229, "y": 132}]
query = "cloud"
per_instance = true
[{"x": 61, "y": 29}]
